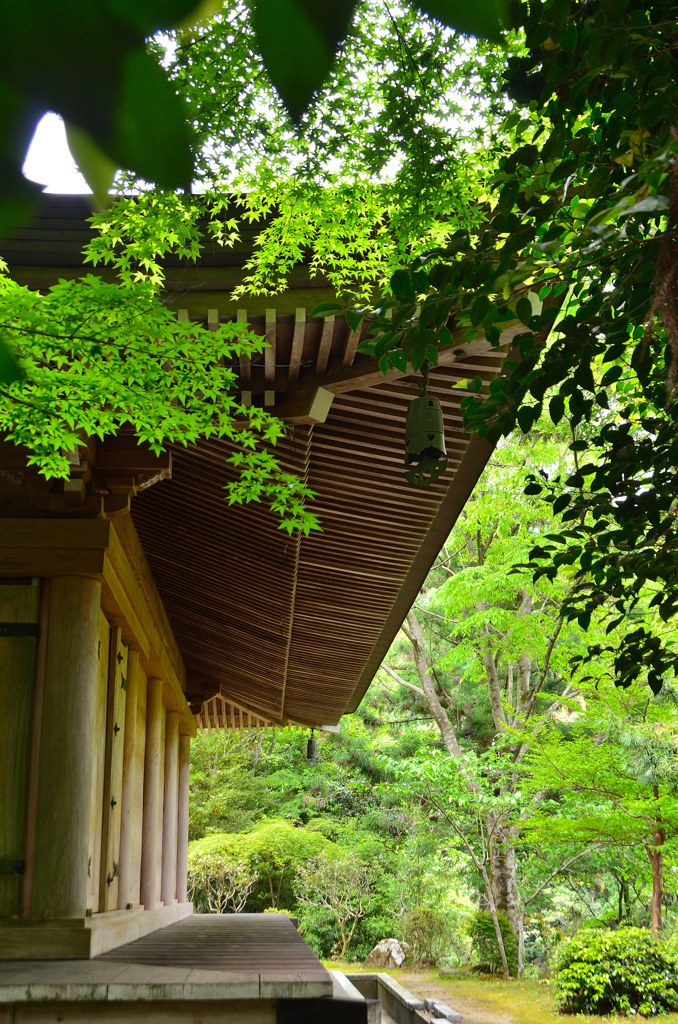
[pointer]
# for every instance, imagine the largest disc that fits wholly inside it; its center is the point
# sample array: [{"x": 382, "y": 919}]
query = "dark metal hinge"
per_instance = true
[
  {"x": 18, "y": 629},
  {"x": 12, "y": 867}
]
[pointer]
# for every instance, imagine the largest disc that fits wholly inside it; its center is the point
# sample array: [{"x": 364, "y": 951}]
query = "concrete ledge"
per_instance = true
[
  {"x": 343, "y": 988},
  {"x": 243, "y": 1011},
  {"x": 110, "y": 981},
  {"x": 83, "y": 938},
  {"x": 440, "y": 1011},
  {"x": 294, "y": 985},
  {"x": 395, "y": 999}
]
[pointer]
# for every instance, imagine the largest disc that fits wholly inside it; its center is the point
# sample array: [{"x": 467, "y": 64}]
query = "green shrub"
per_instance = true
[
  {"x": 627, "y": 971},
  {"x": 319, "y": 929},
  {"x": 485, "y": 944},
  {"x": 429, "y": 934}
]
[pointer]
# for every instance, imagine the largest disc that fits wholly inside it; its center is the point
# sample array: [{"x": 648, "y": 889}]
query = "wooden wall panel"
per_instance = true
[
  {"x": 138, "y": 803},
  {"x": 18, "y": 604},
  {"x": 99, "y": 743}
]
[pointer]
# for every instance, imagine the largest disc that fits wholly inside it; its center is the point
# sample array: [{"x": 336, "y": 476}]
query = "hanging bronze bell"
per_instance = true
[
  {"x": 425, "y": 441},
  {"x": 312, "y": 749}
]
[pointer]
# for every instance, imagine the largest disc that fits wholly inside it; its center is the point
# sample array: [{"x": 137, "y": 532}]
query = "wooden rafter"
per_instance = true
[
  {"x": 270, "y": 357},
  {"x": 351, "y": 347},
  {"x": 325, "y": 345},
  {"x": 297, "y": 344}
]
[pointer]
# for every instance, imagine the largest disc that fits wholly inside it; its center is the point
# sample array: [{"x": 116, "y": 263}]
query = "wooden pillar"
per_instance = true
[
  {"x": 60, "y": 883},
  {"x": 126, "y": 881},
  {"x": 182, "y": 818},
  {"x": 151, "y": 835},
  {"x": 170, "y": 810}
]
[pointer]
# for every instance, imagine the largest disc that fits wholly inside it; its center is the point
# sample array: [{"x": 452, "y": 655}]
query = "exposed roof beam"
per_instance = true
[
  {"x": 359, "y": 376},
  {"x": 269, "y": 357}
]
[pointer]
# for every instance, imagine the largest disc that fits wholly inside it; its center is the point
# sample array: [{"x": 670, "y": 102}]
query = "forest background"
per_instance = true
[{"x": 481, "y": 776}]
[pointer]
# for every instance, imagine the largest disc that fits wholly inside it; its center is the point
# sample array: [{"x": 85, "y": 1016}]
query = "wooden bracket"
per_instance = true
[{"x": 311, "y": 406}]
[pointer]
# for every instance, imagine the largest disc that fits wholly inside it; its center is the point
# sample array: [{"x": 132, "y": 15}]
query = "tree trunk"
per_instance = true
[
  {"x": 494, "y": 688},
  {"x": 495, "y": 920},
  {"x": 257, "y": 751},
  {"x": 656, "y": 858},
  {"x": 502, "y": 882},
  {"x": 427, "y": 685},
  {"x": 524, "y": 666},
  {"x": 521, "y": 940},
  {"x": 657, "y": 864},
  {"x": 504, "y": 875}
]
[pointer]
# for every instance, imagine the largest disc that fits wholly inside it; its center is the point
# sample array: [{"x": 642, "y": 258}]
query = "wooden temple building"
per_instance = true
[{"x": 137, "y": 605}]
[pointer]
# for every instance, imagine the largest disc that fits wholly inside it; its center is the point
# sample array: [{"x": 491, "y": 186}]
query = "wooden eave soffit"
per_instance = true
[{"x": 103, "y": 477}]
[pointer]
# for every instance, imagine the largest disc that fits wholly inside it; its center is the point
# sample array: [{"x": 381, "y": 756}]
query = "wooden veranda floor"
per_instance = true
[
  {"x": 204, "y": 957},
  {"x": 225, "y": 942}
]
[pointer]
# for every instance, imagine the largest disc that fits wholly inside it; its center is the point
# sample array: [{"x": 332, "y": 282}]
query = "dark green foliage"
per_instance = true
[
  {"x": 272, "y": 850},
  {"x": 319, "y": 929},
  {"x": 587, "y": 213},
  {"x": 297, "y": 39},
  {"x": 485, "y": 945},
  {"x": 88, "y": 62},
  {"x": 625, "y": 971}
]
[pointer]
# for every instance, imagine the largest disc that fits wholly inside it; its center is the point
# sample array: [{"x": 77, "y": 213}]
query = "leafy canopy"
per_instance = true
[
  {"x": 96, "y": 358},
  {"x": 389, "y": 160},
  {"x": 89, "y": 63}
]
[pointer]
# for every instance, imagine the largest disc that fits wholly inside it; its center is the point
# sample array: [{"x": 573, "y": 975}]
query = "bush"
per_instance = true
[
  {"x": 341, "y": 885},
  {"x": 220, "y": 889},
  {"x": 271, "y": 852},
  {"x": 319, "y": 929},
  {"x": 627, "y": 971},
  {"x": 485, "y": 943},
  {"x": 428, "y": 932}
]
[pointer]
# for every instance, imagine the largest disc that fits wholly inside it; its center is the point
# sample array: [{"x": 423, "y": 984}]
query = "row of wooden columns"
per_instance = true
[
  {"x": 55, "y": 883},
  {"x": 168, "y": 848}
]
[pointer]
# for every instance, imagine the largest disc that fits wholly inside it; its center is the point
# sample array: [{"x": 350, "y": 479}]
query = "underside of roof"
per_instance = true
[{"x": 294, "y": 628}]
